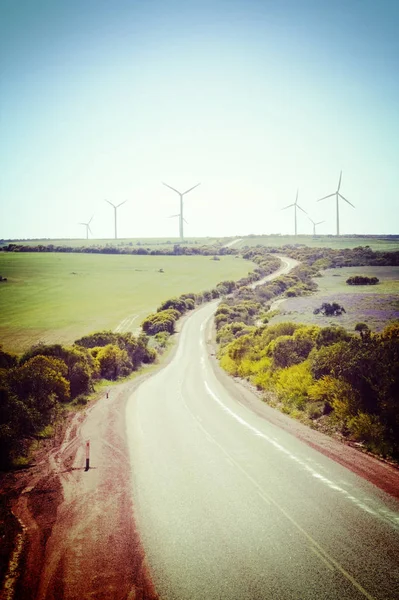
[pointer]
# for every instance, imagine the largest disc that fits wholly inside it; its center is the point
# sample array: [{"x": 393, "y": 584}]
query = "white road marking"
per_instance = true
[
  {"x": 319, "y": 551},
  {"x": 391, "y": 516}
]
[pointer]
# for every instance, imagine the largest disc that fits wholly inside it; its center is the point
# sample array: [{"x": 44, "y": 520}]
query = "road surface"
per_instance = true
[{"x": 230, "y": 506}]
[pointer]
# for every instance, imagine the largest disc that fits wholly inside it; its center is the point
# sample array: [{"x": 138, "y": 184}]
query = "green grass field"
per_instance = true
[
  {"x": 375, "y": 305},
  {"x": 59, "y": 297},
  {"x": 382, "y": 243}
]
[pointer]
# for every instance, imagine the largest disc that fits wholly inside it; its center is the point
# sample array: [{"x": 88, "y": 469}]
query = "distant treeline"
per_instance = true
[
  {"x": 175, "y": 250},
  {"x": 321, "y": 258}
]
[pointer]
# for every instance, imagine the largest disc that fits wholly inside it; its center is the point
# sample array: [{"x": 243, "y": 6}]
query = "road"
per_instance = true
[{"x": 230, "y": 506}]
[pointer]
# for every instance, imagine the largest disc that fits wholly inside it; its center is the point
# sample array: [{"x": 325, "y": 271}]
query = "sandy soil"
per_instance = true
[{"x": 79, "y": 538}]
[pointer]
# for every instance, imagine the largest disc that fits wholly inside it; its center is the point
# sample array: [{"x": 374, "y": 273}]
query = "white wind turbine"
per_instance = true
[
  {"x": 87, "y": 225},
  {"x": 295, "y": 205},
  {"x": 180, "y": 215},
  {"x": 314, "y": 224},
  {"x": 337, "y": 196},
  {"x": 115, "y": 208}
]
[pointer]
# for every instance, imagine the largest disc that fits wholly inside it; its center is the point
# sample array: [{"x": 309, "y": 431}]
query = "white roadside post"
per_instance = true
[{"x": 87, "y": 455}]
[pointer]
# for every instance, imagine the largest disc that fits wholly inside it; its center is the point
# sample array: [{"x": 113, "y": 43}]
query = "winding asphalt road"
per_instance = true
[{"x": 229, "y": 506}]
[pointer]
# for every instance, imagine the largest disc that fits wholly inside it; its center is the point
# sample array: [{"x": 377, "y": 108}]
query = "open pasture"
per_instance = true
[
  {"x": 382, "y": 243},
  {"x": 375, "y": 305},
  {"x": 56, "y": 297}
]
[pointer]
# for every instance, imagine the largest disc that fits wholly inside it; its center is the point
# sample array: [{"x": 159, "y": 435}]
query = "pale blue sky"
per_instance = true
[{"x": 254, "y": 99}]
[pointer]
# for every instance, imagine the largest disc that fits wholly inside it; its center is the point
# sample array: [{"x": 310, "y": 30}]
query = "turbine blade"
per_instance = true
[
  {"x": 296, "y": 199},
  {"x": 339, "y": 182},
  {"x": 110, "y": 203},
  {"x": 88, "y": 227},
  {"x": 304, "y": 211},
  {"x": 171, "y": 216},
  {"x": 324, "y": 197},
  {"x": 185, "y": 220},
  {"x": 312, "y": 220},
  {"x": 341, "y": 196},
  {"x": 289, "y": 206},
  {"x": 172, "y": 188},
  {"x": 320, "y": 222},
  {"x": 186, "y": 192},
  {"x": 118, "y": 205},
  {"x": 90, "y": 220}
]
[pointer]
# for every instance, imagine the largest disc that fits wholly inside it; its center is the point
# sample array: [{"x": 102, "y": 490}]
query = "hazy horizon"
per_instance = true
[{"x": 254, "y": 99}]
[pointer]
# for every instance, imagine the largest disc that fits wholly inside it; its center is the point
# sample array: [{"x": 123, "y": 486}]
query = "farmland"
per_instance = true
[
  {"x": 375, "y": 305},
  {"x": 382, "y": 243},
  {"x": 53, "y": 297}
]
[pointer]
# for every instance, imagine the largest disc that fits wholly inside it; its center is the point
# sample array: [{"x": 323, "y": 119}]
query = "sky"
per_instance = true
[{"x": 253, "y": 99}]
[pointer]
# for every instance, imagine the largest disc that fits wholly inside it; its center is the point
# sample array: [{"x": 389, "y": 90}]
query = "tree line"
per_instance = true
[
  {"x": 35, "y": 386},
  {"x": 175, "y": 250}
]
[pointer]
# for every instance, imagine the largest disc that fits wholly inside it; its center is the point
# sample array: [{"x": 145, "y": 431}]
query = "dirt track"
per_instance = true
[{"x": 80, "y": 538}]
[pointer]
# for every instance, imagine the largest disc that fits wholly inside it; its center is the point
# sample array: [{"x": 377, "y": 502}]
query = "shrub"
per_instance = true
[
  {"x": 330, "y": 310},
  {"x": 178, "y": 304},
  {"x": 160, "y": 321},
  {"x": 292, "y": 385},
  {"x": 362, "y": 280},
  {"x": 113, "y": 362}
]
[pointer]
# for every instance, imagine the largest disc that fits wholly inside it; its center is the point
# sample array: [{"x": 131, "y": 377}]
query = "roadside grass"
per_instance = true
[
  {"x": 382, "y": 243},
  {"x": 57, "y": 297},
  {"x": 375, "y": 305}
]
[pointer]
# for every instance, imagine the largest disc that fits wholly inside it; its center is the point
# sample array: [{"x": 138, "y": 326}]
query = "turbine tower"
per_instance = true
[
  {"x": 87, "y": 225},
  {"x": 180, "y": 215},
  {"x": 295, "y": 205},
  {"x": 337, "y": 196},
  {"x": 314, "y": 224},
  {"x": 115, "y": 207}
]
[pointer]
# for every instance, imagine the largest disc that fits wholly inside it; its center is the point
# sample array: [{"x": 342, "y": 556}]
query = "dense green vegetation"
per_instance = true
[
  {"x": 339, "y": 381},
  {"x": 328, "y": 377},
  {"x": 362, "y": 280},
  {"x": 35, "y": 387}
]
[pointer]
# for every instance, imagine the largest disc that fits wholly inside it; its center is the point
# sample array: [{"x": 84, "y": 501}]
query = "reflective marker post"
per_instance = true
[{"x": 87, "y": 455}]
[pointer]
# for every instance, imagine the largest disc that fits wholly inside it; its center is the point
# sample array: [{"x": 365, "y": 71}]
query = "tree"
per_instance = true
[
  {"x": 330, "y": 310},
  {"x": 40, "y": 383},
  {"x": 113, "y": 362},
  {"x": 79, "y": 362}
]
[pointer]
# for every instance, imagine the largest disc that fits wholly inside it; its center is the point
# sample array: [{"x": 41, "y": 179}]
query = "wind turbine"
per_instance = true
[
  {"x": 314, "y": 224},
  {"x": 295, "y": 205},
  {"x": 337, "y": 196},
  {"x": 115, "y": 207},
  {"x": 87, "y": 225},
  {"x": 180, "y": 215}
]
